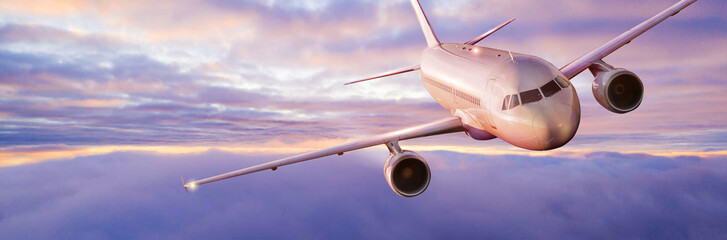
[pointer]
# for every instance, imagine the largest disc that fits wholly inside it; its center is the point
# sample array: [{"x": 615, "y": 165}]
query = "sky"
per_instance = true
[{"x": 108, "y": 103}]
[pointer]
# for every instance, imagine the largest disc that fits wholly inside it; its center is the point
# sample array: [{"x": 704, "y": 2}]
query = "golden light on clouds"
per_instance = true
[
  {"x": 45, "y": 7},
  {"x": 12, "y": 157},
  {"x": 87, "y": 103}
]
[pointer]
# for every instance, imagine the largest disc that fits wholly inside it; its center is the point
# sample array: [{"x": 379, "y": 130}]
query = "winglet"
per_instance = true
[
  {"x": 426, "y": 28},
  {"x": 185, "y": 185}
]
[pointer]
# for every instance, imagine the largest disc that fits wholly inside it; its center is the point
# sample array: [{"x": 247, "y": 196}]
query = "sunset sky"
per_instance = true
[{"x": 151, "y": 90}]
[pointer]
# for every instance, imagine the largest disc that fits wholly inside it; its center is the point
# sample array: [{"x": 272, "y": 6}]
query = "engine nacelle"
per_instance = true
[
  {"x": 407, "y": 173},
  {"x": 618, "y": 90}
]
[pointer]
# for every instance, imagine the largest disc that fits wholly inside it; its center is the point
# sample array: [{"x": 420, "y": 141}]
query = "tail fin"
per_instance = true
[{"x": 428, "y": 33}]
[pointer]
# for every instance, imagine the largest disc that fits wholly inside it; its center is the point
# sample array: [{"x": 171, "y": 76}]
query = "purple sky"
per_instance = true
[{"x": 125, "y": 90}]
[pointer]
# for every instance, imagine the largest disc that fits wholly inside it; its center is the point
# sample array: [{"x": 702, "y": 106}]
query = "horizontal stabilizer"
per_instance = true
[
  {"x": 386, "y": 74},
  {"x": 488, "y": 33}
]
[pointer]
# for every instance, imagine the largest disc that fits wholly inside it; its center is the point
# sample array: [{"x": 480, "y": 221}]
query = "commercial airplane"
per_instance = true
[{"x": 491, "y": 93}]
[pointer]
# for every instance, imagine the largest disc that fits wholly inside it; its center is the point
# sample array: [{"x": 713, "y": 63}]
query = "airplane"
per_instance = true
[{"x": 492, "y": 93}]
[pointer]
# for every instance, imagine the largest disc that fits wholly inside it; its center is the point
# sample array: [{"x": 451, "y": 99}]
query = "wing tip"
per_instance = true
[
  {"x": 184, "y": 185},
  {"x": 189, "y": 186}
]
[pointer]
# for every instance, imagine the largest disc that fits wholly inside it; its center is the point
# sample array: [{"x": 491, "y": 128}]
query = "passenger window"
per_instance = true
[
  {"x": 530, "y": 96},
  {"x": 550, "y": 88},
  {"x": 562, "y": 82},
  {"x": 515, "y": 101},
  {"x": 505, "y": 102}
]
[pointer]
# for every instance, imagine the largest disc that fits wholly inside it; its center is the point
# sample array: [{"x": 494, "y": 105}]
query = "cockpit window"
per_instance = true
[
  {"x": 505, "y": 102},
  {"x": 562, "y": 82},
  {"x": 550, "y": 88},
  {"x": 514, "y": 101},
  {"x": 534, "y": 95},
  {"x": 531, "y": 96}
]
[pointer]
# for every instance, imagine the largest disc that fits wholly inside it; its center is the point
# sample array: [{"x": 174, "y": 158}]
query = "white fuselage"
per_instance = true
[{"x": 501, "y": 94}]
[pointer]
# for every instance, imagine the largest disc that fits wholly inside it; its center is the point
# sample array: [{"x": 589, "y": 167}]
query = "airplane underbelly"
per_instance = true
[{"x": 472, "y": 120}]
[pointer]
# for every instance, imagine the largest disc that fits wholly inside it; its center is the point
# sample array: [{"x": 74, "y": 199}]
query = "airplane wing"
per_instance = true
[
  {"x": 442, "y": 126},
  {"x": 386, "y": 74},
  {"x": 488, "y": 33},
  {"x": 577, "y": 66}
]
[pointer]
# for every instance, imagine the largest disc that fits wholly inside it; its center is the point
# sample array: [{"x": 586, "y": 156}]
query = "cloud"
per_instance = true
[
  {"x": 229, "y": 72},
  {"x": 136, "y": 99},
  {"x": 135, "y": 94},
  {"x": 139, "y": 195},
  {"x": 45, "y": 7}
]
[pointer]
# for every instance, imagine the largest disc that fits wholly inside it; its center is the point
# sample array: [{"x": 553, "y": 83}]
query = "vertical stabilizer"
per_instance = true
[{"x": 426, "y": 28}]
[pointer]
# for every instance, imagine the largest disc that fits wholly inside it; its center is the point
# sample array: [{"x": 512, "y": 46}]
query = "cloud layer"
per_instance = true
[{"x": 139, "y": 195}]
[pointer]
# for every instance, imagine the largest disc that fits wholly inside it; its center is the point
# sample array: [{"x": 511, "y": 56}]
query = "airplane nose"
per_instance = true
[{"x": 556, "y": 126}]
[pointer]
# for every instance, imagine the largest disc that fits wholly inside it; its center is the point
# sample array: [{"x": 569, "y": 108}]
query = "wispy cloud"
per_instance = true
[{"x": 200, "y": 73}]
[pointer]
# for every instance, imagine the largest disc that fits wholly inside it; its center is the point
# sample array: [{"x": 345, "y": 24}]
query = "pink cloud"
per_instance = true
[{"x": 234, "y": 71}]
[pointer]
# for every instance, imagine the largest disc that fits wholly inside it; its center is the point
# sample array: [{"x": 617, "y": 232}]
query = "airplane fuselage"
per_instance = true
[{"x": 521, "y": 99}]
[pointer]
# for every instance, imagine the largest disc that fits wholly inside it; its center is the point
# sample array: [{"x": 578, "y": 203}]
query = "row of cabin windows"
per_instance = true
[
  {"x": 472, "y": 99},
  {"x": 439, "y": 85},
  {"x": 535, "y": 95}
]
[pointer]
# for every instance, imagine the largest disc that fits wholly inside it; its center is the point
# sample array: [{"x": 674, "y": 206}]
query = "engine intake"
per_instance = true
[
  {"x": 618, "y": 90},
  {"x": 407, "y": 173}
]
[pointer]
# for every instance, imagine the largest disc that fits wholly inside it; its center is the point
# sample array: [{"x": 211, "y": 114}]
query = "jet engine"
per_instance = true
[
  {"x": 617, "y": 89},
  {"x": 407, "y": 173}
]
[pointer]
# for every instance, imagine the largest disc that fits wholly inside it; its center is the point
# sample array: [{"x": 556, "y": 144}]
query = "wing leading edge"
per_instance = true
[
  {"x": 386, "y": 74},
  {"x": 488, "y": 33},
  {"x": 442, "y": 126},
  {"x": 577, "y": 66}
]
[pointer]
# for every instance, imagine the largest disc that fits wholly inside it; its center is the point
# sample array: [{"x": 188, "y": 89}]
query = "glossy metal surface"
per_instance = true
[
  {"x": 618, "y": 90},
  {"x": 386, "y": 74},
  {"x": 542, "y": 125},
  {"x": 407, "y": 173},
  {"x": 488, "y": 33}
]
